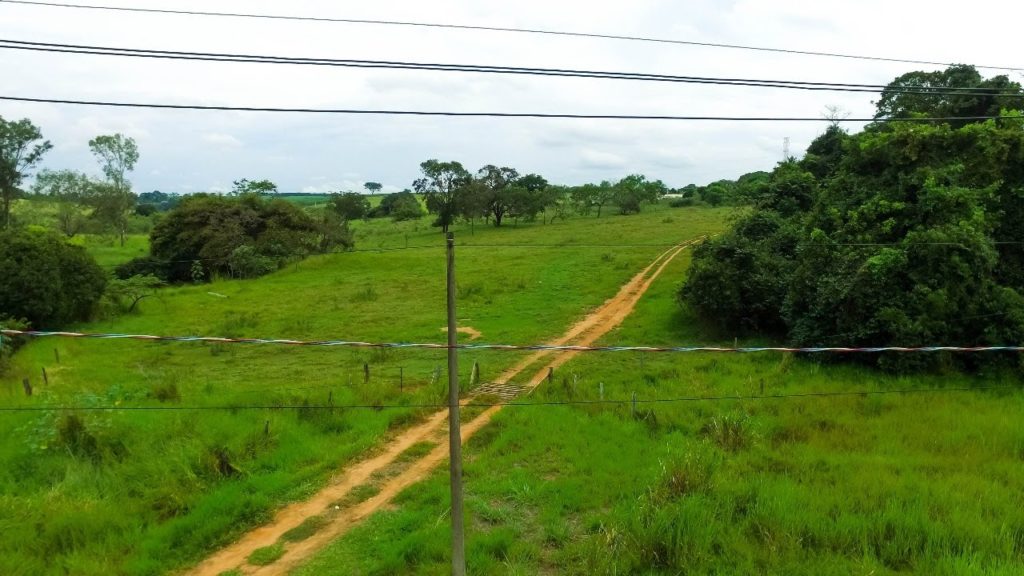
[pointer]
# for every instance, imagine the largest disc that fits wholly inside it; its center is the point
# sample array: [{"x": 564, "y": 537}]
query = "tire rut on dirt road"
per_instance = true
[{"x": 433, "y": 429}]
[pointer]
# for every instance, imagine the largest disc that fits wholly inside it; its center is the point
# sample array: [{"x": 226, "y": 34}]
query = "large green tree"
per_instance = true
[
  {"x": 497, "y": 186},
  {"x": 21, "y": 148},
  {"x": 442, "y": 185},
  {"x": 957, "y": 92},
  {"x": 911, "y": 236}
]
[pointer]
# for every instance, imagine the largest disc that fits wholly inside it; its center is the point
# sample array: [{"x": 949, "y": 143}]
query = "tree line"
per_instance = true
[{"x": 905, "y": 234}]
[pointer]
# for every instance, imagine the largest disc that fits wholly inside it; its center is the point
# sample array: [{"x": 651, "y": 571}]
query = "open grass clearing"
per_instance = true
[
  {"x": 164, "y": 489},
  {"x": 917, "y": 483}
]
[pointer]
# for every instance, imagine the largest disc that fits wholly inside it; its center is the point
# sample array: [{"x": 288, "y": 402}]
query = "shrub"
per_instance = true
[
  {"x": 210, "y": 229},
  {"x": 46, "y": 281},
  {"x": 245, "y": 262}
]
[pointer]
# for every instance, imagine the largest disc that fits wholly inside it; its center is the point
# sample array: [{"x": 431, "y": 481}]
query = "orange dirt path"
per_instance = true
[{"x": 583, "y": 333}]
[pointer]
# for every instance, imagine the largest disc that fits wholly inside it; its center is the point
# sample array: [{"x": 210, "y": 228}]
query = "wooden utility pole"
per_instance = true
[{"x": 454, "y": 431}]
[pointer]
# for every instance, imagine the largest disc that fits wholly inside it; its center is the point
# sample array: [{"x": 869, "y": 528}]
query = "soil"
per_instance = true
[{"x": 584, "y": 333}]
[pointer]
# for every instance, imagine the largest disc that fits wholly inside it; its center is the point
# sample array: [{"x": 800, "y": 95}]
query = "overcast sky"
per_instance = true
[{"x": 188, "y": 151}]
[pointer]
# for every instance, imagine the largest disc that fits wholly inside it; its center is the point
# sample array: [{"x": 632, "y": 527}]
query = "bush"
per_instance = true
[
  {"x": 684, "y": 202},
  {"x": 46, "y": 281},
  {"x": 245, "y": 262},
  {"x": 211, "y": 229}
]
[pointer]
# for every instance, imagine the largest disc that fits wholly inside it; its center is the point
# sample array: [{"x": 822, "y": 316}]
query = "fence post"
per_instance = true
[{"x": 27, "y": 386}]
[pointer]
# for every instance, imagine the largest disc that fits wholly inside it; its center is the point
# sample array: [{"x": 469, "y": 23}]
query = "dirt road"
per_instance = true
[{"x": 434, "y": 429}]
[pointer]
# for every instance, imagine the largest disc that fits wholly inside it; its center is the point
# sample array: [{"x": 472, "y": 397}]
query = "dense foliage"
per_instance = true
[
  {"x": 904, "y": 234},
  {"x": 46, "y": 281},
  {"x": 244, "y": 236}
]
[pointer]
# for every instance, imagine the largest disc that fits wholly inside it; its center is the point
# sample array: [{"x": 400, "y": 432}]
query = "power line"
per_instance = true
[
  {"x": 476, "y": 68},
  {"x": 356, "y": 111},
  {"x": 239, "y": 407},
  {"x": 513, "y": 347},
  {"x": 535, "y": 31}
]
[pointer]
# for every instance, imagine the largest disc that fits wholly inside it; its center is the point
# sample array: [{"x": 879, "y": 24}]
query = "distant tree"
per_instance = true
[
  {"x": 111, "y": 207},
  {"x": 45, "y": 280},
  {"x": 441, "y": 185},
  {"x": 633, "y": 190},
  {"x": 398, "y": 206},
  {"x": 71, "y": 190},
  {"x": 373, "y": 187},
  {"x": 162, "y": 201},
  {"x": 333, "y": 232},
  {"x": 20, "y": 151},
  {"x": 496, "y": 190},
  {"x": 533, "y": 182},
  {"x": 257, "y": 187},
  {"x": 589, "y": 196},
  {"x": 350, "y": 205},
  {"x": 113, "y": 202}
]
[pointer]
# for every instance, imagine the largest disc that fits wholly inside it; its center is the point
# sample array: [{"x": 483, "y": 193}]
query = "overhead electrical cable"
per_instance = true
[
  {"x": 503, "y": 29},
  {"x": 490, "y": 69},
  {"x": 361, "y": 111}
]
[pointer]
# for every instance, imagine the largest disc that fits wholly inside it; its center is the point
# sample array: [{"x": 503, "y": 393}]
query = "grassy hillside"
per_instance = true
[
  {"x": 865, "y": 484},
  {"x": 144, "y": 492}
]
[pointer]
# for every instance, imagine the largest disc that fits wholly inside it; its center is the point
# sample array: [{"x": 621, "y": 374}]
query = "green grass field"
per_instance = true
[
  {"x": 865, "y": 484},
  {"x": 131, "y": 492}
]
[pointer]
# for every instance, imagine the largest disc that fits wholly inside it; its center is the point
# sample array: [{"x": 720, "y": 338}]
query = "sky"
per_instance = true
[{"x": 192, "y": 151}]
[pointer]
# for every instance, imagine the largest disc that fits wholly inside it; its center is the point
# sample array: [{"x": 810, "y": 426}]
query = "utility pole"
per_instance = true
[
  {"x": 785, "y": 149},
  {"x": 454, "y": 431}
]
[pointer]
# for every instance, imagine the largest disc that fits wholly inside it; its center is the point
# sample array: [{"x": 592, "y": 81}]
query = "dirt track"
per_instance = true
[{"x": 583, "y": 333}]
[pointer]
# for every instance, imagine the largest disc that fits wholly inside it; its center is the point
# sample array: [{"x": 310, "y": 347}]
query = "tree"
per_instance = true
[
  {"x": 909, "y": 238},
  {"x": 20, "y": 151},
  {"x": 441, "y": 185},
  {"x": 208, "y": 229},
  {"x": 71, "y": 190},
  {"x": 117, "y": 155},
  {"x": 934, "y": 94},
  {"x": 112, "y": 206},
  {"x": 633, "y": 190},
  {"x": 589, "y": 196},
  {"x": 496, "y": 190},
  {"x": 398, "y": 206},
  {"x": 257, "y": 187},
  {"x": 127, "y": 293},
  {"x": 161, "y": 201},
  {"x": 47, "y": 281},
  {"x": 350, "y": 205},
  {"x": 373, "y": 187}
]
